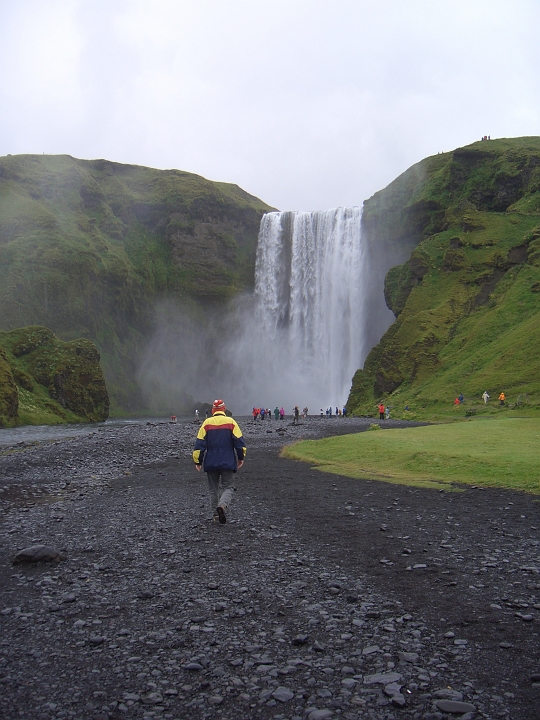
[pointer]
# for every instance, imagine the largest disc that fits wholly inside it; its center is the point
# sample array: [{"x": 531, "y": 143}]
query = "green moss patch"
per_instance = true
[{"x": 46, "y": 381}]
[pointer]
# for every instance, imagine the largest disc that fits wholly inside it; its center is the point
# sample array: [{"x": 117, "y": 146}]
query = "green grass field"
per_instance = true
[{"x": 486, "y": 452}]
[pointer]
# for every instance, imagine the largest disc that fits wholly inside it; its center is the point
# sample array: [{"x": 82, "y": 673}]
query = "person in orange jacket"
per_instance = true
[
  {"x": 502, "y": 398},
  {"x": 381, "y": 411}
]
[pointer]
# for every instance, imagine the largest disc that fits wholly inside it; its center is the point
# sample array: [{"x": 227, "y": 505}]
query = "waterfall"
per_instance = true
[{"x": 309, "y": 305}]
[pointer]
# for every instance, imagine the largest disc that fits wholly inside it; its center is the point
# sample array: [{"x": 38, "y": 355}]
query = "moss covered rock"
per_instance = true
[
  {"x": 9, "y": 395},
  {"x": 49, "y": 380}
]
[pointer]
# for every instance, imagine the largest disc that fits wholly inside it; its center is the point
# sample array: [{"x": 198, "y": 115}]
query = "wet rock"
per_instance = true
[
  {"x": 454, "y": 707},
  {"x": 38, "y": 553},
  {"x": 283, "y": 694}
]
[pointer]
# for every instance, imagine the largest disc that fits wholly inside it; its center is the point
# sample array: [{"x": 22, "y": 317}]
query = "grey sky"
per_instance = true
[{"x": 306, "y": 104}]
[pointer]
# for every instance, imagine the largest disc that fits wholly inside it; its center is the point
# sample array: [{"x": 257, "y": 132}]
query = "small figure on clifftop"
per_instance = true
[
  {"x": 220, "y": 449},
  {"x": 296, "y": 413},
  {"x": 381, "y": 411},
  {"x": 276, "y": 412},
  {"x": 461, "y": 398},
  {"x": 485, "y": 397},
  {"x": 502, "y": 398}
]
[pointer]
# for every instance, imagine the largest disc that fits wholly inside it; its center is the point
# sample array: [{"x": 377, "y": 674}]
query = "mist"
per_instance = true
[{"x": 316, "y": 311}]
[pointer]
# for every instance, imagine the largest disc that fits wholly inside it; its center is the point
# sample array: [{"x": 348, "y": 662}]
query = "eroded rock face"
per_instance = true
[
  {"x": 69, "y": 373},
  {"x": 9, "y": 395}
]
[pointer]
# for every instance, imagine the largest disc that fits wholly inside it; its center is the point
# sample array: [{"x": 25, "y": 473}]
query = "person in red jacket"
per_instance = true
[
  {"x": 381, "y": 411},
  {"x": 219, "y": 450}
]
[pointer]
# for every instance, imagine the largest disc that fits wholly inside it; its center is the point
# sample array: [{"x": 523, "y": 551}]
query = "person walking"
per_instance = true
[
  {"x": 381, "y": 411},
  {"x": 281, "y": 412},
  {"x": 502, "y": 398},
  {"x": 485, "y": 397},
  {"x": 296, "y": 414},
  {"x": 276, "y": 412},
  {"x": 219, "y": 450}
]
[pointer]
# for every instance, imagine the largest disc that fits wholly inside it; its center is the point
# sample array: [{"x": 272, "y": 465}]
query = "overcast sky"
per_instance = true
[{"x": 308, "y": 104}]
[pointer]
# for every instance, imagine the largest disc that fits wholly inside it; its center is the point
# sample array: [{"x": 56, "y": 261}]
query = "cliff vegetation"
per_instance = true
[
  {"x": 44, "y": 381},
  {"x": 467, "y": 301},
  {"x": 88, "y": 248}
]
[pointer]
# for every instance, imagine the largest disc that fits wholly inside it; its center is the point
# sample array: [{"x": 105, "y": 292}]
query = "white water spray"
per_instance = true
[{"x": 310, "y": 306}]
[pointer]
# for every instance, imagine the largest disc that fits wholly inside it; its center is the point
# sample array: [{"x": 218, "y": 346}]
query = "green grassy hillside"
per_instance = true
[
  {"x": 87, "y": 248},
  {"x": 467, "y": 302},
  {"x": 46, "y": 381}
]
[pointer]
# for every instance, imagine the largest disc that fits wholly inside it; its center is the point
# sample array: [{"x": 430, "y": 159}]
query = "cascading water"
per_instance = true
[{"x": 310, "y": 305}]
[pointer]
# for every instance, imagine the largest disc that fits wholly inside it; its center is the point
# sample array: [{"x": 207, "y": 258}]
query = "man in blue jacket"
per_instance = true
[{"x": 219, "y": 450}]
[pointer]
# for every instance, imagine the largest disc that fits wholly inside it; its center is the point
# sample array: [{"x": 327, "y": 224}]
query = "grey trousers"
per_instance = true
[{"x": 220, "y": 494}]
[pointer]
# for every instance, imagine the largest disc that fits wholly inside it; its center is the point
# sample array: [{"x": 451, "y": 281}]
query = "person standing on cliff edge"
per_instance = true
[{"x": 219, "y": 450}]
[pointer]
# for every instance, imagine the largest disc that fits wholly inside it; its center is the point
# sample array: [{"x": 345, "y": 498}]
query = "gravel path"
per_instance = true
[{"x": 323, "y": 597}]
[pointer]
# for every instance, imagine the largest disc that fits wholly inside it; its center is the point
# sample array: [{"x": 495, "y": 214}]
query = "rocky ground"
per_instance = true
[{"x": 322, "y": 597}]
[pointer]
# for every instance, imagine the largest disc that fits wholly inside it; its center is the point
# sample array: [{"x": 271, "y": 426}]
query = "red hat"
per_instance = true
[{"x": 218, "y": 406}]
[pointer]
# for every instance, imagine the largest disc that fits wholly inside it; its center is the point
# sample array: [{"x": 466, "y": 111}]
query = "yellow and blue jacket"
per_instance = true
[{"x": 219, "y": 443}]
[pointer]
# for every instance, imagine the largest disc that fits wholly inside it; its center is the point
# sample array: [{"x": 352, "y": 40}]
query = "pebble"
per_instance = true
[{"x": 150, "y": 621}]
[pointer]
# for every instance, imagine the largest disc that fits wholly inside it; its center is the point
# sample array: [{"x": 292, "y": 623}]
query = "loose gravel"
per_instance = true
[{"x": 322, "y": 596}]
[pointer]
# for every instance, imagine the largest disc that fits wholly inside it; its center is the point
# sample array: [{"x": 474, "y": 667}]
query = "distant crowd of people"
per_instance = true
[
  {"x": 485, "y": 397},
  {"x": 260, "y": 413}
]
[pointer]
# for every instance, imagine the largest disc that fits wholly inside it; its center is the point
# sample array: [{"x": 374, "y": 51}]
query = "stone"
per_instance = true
[
  {"x": 37, "y": 553},
  {"x": 448, "y": 694},
  {"x": 300, "y": 640},
  {"x": 283, "y": 694},
  {"x": 398, "y": 700},
  {"x": 193, "y": 667},
  {"x": 383, "y": 678},
  {"x": 409, "y": 657},
  {"x": 454, "y": 707},
  {"x": 96, "y": 640},
  {"x": 320, "y": 714},
  {"x": 153, "y": 698}
]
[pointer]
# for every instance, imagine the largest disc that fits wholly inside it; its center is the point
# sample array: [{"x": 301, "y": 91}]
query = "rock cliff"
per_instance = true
[
  {"x": 467, "y": 301},
  {"x": 87, "y": 248},
  {"x": 46, "y": 381}
]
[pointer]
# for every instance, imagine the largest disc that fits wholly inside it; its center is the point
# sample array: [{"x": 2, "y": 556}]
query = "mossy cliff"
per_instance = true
[
  {"x": 46, "y": 381},
  {"x": 467, "y": 301},
  {"x": 87, "y": 248}
]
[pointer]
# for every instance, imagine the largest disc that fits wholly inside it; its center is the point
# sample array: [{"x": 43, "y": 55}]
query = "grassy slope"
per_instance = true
[
  {"x": 487, "y": 452},
  {"x": 88, "y": 247},
  {"x": 467, "y": 301},
  {"x": 53, "y": 381}
]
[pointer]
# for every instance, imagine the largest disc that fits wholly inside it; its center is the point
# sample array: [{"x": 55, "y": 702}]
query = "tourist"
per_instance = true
[
  {"x": 276, "y": 412},
  {"x": 196, "y": 414},
  {"x": 296, "y": 414},
  {"x": 281, "y": 413},
  {"x": 221, "y": 453},
  {"x": 262, "y": 413},
  {"x": 456, "y": 401},
  {"x": 321, "y": 412},
  {"x": 460, "y": 398},
  {"x": 502, "y": 398},
  {"x": 381, "y": 411},
  {"x": 485, "y": 397}
]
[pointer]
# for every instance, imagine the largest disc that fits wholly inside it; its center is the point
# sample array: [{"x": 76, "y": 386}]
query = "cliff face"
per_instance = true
[
  {"x": 467, "y": 300},
  {"x": 46, "y": 381},
  {"x": 87, "y": 248}
]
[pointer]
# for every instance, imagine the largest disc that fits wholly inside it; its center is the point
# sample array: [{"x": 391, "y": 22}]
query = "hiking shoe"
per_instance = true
[{"x": 221, "y": 515}]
